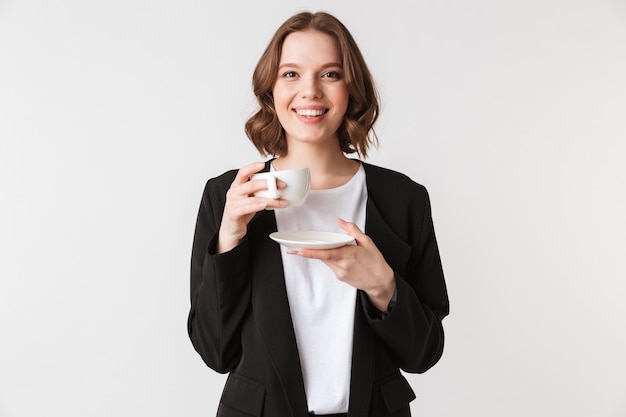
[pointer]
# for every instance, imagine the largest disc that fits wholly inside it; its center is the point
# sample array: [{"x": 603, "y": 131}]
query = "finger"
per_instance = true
[
  {"x": 245, "y": 209},
  {"x": 308, "y": 253},
  {"x": 321, "y": 254},
  {"x": 275, "y": 202},
  {"x": 244, "y": 201},
  {"x": 244, "y": 173},
  {"x": 261, "y": 184},
  {"x": 353, "y": 230},
  {"x": 257, "y": 185},
  {"x": 248, "y": 188}
]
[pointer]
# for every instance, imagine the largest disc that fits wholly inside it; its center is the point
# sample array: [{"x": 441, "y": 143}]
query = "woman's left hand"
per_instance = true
[{"x": 361, "y": 266}]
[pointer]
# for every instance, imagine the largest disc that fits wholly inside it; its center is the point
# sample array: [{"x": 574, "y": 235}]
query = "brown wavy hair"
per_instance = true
[{"x": 356, "y": 133}]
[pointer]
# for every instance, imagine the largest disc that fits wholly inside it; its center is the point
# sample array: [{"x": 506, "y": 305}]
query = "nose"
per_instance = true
[{"x": 311, "y": 87}]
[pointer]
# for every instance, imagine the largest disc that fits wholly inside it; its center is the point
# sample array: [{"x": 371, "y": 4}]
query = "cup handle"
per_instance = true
[{"x": 271, "y": 186}]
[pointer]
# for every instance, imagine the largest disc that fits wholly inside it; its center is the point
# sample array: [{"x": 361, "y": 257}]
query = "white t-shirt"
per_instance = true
[{"x": 322, "y": 307}]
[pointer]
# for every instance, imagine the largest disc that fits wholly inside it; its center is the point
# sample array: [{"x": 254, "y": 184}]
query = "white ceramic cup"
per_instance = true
[{"x": 298, "y": 183}]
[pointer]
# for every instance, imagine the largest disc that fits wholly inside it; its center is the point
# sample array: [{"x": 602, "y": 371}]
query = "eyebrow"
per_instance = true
[{"x": 328, "y": 65}]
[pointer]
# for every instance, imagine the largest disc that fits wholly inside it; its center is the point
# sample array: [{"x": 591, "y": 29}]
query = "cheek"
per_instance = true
[
  {"x": 276, "y": 97},
  {"x": 344, "y": 106},
  {"x": 281, "y": 100},
  {"x": 281, "y": 106},
  {"x": 343, "y": 98}
]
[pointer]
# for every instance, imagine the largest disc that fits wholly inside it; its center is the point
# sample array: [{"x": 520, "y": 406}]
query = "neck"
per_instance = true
[{"x": 329, "y": 168}]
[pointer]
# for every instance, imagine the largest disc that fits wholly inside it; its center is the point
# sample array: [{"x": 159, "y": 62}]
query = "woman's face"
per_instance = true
[{"x": 310, "y": 94}]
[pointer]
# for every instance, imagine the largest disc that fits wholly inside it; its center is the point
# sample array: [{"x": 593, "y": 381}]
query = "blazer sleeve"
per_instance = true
[
  {"x": 412, "y": 330},
  {"x": 220, "y": 285}
]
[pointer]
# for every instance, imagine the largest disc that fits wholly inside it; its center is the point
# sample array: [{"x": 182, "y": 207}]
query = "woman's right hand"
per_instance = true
[{"x": 241, "y": 206}]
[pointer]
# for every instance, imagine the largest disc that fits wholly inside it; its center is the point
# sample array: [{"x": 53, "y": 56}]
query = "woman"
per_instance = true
[{"x": 324, "y": 331}]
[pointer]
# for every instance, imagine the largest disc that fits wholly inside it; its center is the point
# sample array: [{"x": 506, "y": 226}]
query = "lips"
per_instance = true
[{"x": 310, "y": 111}]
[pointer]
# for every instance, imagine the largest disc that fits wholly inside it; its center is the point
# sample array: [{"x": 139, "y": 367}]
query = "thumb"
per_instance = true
[{"x": 351, "y": 228}]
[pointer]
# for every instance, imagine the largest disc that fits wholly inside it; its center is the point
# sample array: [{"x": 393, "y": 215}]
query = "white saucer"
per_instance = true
[{"x": 311, "y": 240}]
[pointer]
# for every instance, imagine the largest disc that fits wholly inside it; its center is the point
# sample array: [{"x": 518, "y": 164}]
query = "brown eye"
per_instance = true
[{"x": 332, "y": 74}]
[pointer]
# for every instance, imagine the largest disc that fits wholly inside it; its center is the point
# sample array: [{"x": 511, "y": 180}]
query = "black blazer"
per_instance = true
[{"x": 240, "y": 321}]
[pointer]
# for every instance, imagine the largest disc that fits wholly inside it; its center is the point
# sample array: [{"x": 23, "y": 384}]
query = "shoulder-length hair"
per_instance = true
[{"x": 356, "y": 133}]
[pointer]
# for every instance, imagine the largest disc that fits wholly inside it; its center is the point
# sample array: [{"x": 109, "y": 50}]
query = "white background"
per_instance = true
[{"x": 113, "y": 114}]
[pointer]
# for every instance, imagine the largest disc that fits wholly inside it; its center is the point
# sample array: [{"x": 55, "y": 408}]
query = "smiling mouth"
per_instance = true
[{"x": 311, "y": 112}]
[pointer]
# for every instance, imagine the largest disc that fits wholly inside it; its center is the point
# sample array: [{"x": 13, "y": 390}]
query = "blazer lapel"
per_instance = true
[
  {"x": 269, "y": 295},
  {"x": 395, "y": 250},
  {"x": 396, "y": 253}
]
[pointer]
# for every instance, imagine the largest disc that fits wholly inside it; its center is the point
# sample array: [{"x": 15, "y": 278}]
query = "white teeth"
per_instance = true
[{"x": 310, "y": 112}]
